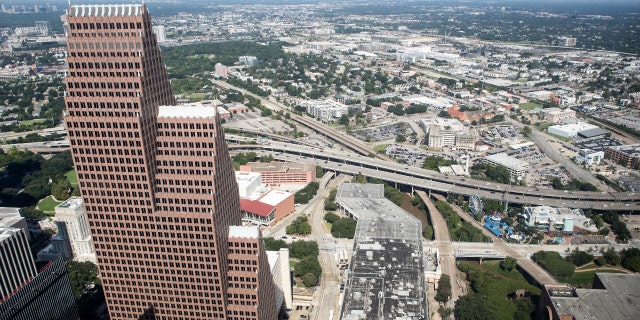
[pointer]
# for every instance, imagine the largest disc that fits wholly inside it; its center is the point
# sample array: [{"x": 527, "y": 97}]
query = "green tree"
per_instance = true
[
  {"x": 400, "y": 138},
  {"x": 612, "y": 257},
  {"x": 472, "y": 307},
  {"x": 302, "y": 249},
  {"x": 81, "y": 274},
  {"x": 344, "y": 228},
  {"x": 508, "y": 264},
  {"x": 272, "y": 244},
  {"x": 319, "y": 171},
  {"x": 445, "y": 313},
  {"x": 598, "y": 221},
  {"x": 344, "y": 120},
  {"x": 427, "y": 232},
  {"x": 579, "y": 258},
  {"x": 61, "y": 189},
  {"x": 443, "y": 294},
  {"x": 331, "y": 217},
  {"x": 309, "y": 280},
  {"x": 306, "y": 265},
  {"x": 359, "y": 178}
]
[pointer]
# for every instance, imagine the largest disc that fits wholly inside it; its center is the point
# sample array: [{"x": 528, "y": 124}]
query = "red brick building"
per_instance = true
[{"x": 156, "y": 179}]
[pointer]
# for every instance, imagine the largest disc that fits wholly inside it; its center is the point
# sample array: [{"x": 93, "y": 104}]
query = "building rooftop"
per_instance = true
[
  {"x": 593, "y": 132},
  {"x": 249, "y": 232},
  {"x": 274, "y": 197},
  {"x": 256, "y": 206},
  {"x": 106, "y": 10},
  {"x": 508, "y": 161},
  {"x": 618, "y": 297},
  {"x": 280, "y": 166},
  {"x": 190, "y": 110},
  {"x": 630, "y": 149},
  {"x": 386, "y": 275},
  {"x": 72, "y": 203},
  {"x": 9, "y": 216}
]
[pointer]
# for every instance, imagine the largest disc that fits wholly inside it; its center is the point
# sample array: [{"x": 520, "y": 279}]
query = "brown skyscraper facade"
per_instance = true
[{"x": 156, "y": 179}]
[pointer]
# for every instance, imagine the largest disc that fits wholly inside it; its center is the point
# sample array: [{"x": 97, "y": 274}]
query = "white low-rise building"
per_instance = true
[
  {"x": 325, "y": 110},
  {"x": 557, "y": 219},
  {"x": 71, "y": 219},
  {"x": 589, "y": 157},
  {"x": 517, "y": 168},
  {"x": 570, "y": 130}
]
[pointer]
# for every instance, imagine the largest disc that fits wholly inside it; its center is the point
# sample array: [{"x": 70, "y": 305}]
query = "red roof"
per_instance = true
[{"x": 256, "y": 207}]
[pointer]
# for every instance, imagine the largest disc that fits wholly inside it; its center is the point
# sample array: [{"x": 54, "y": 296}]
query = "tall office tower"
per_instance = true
[
  {"x": 156, "y": 179},
  {"x": 27, "y": 294},
  {"x": 16, "y": 262}
]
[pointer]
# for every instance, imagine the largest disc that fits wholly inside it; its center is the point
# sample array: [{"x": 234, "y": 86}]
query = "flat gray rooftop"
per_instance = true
[
  {"x": 386, "y": 275},
  {"x": 618, "y": 297}
]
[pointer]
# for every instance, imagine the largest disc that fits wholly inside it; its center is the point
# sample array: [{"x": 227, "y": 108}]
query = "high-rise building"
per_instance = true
[
  {"x": 16, "y": 262},
  {"x": 25, "y": 293},
  {"x": 161, "y": 34},
  {"x": 156, "y": 179}
]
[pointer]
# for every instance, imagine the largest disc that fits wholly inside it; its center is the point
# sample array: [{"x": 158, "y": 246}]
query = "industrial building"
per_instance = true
[
  {"x": 557, "y": 219},
  {"x": 516, "y": 167},
  {"x": 571, "y": 130},
  {"x": 613, "y": 296},
  {"x": 386, "y": 273}
]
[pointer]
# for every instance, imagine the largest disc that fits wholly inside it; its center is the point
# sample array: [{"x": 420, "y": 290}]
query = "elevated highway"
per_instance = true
[{"x": 349, "y": 163}]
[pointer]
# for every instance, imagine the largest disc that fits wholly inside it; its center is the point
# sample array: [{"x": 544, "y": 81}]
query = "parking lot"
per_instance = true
[{"x": 386, "y": 132}]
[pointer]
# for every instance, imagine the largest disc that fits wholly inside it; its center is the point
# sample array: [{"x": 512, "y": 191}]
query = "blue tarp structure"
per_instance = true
[{"x": 492, "y": 226}]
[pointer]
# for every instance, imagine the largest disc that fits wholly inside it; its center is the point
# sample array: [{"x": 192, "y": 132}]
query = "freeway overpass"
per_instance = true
[
  {"x": 347, "y": 162},
  {"x": 403, "y": 175}
]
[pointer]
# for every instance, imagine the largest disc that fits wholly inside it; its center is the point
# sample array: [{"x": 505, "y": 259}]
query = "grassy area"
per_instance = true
[
  {"x": 495, "y": 267},
  {"x": 530, "y": 106},
  {"x": 71, "y": 176},
  {"x": 585, "y": 279},
  {"x": 506, "y": 281},
  {"x": 544, "y": 125},
  {"x": 292, "y": 264},
  {"x": 198, "y": 97},
  {"x": 48, "y": 204},
  {"x": 31, "y": 122},
  {"x": 380, "y": 148},
  {"x": 328, "y": 224}
]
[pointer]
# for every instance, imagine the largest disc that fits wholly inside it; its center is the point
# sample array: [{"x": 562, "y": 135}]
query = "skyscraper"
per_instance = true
[
  {"x": 156, "y": 179},
  {"x": 25, "y": 293}
]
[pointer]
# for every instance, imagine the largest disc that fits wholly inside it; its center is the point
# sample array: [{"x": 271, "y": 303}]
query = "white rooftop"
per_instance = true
[
  {"x": 508, "y": 161},
  {"x": 106, "y": 10},
  {"x": 190, "y": 110},
  {"x": 9, "y": 216},
  {"x": 274, "y": 197},
  {"x": 251, "y": 232}
]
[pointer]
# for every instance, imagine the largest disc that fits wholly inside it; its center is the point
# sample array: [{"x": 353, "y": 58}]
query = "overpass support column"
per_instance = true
[
  {"x": 429, "y": 193},
  {"x": 412, "y": 191},
  {"x": 480, "y": 260}
]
